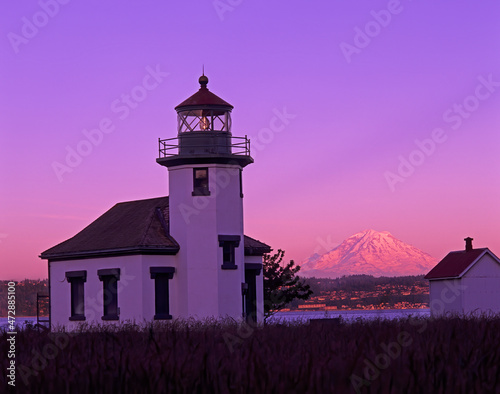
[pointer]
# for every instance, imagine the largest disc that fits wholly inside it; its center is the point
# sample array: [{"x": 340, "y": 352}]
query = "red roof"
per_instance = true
[
  {"x": 455, "y": 264},
  {"x": 204, "y": 97}
]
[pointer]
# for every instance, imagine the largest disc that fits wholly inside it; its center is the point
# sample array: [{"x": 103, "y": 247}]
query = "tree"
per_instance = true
[{"x": 281, "y": 285}]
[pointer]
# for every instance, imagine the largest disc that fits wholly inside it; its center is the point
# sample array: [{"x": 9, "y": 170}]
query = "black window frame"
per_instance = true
[
  {"x": 76, "y": 279},
  {"x": 162, "y": 276},
  {"x": 109, "y": 279},
  {"x": 229, "y": 243},
  {"x": 201, "y": 186}
]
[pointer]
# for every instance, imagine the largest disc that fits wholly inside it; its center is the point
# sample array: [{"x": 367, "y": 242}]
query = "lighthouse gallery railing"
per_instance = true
[{"x": 234, "y": 145}]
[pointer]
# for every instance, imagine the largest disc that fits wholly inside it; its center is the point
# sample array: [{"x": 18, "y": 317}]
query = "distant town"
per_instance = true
[
  {"x": 365, "y": 292},
  {"x": 346, "y": 293}
]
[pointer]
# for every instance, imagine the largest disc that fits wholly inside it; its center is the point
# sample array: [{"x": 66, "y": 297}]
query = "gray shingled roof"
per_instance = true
[
  {"x": 132, "y": 227},
  {"x": 254, "y": 247}
]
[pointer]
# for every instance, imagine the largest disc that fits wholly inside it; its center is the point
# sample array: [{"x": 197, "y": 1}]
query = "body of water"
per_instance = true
[
  {"x": 351, "y": 315},
  {"x": 300, "y": 315},
  {"x": 20, "y": 321}
]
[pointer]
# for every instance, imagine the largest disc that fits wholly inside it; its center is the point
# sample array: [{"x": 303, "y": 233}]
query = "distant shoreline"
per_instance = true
[{"x": 329, "y": 311}]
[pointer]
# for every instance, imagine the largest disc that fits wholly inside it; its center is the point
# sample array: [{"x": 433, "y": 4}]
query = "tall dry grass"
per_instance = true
[{"x": 452, "y": 355}]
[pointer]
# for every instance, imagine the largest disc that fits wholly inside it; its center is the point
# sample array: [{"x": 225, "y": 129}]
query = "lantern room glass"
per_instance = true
[{"x": 203, "y": 120}]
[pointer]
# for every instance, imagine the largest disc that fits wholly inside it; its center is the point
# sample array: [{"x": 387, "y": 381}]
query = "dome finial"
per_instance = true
[{"x": 203, "y": 79}]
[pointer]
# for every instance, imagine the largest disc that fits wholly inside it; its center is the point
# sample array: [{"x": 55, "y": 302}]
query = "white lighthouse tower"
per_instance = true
[{"x": 205, "y": 163}]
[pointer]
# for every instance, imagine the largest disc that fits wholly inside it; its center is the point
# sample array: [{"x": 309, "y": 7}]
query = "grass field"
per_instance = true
[{"x": 453, "y": 355}]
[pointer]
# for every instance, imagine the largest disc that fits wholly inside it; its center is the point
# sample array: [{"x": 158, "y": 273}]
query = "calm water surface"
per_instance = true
[
  {"x": 302, "y": 315},
  {"x": 351, "y": 315}
]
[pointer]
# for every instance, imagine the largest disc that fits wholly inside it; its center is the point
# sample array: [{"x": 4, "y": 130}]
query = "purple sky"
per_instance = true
[{"x": 359, "y": 103}]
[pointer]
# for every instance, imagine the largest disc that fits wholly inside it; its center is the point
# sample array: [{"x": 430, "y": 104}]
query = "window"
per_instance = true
[
  {"x": 110, "y": 278},
  {"x": 76, "y": 280},
  {"x": 161, "y": 276},
  {"x": 200, "y": 182},
  {"x": 228, "y": 253},
  {"x": 229, "y": 243}
]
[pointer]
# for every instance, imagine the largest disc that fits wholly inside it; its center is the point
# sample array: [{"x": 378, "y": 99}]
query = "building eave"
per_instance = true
[
  {"x": 444, "y": 278},
  {"x": 256, "y": 251},
  {"x": 109, "y": 253},
  {"x": 181, "y": 160}
]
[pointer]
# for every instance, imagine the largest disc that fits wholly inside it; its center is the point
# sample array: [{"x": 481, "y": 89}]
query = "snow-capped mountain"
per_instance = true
[{"x": 372, "y": 253}]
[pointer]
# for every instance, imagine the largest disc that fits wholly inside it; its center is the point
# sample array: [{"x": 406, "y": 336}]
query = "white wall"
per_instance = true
[
  {"x": 229, "y": 206},
  {"x": 135, "y": 289},
  {"x": 445, "y": 297},
  {"x": 486, "y": 267},
  {"x": 482, "y": 292},
  {"x": 136, "y": 298},
  {"x": 195, "y": 223}
]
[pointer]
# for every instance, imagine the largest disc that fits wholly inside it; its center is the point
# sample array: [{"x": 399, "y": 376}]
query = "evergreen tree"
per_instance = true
[{"x": 281, "y": 285}]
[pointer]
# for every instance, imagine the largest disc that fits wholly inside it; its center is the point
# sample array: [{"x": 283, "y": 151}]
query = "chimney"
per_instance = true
[{"x": 468, "y": 243}]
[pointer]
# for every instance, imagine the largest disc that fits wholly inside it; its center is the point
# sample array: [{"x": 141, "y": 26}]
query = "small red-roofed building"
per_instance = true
[{"x": 465, "y": 282}]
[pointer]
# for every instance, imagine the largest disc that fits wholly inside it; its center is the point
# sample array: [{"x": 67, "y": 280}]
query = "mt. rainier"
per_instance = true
[{"x": 369, "y": 252}]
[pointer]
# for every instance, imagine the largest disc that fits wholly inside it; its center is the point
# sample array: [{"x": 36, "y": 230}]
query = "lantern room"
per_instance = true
[
  {"x": 204, "y": 111},
  {"x": 204, "y": 133}
]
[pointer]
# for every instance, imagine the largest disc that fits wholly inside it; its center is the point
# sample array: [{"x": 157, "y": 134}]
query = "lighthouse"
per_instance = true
[
  {"x": 205, "y": 167},
  {"x": 171, "y": 257}
]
